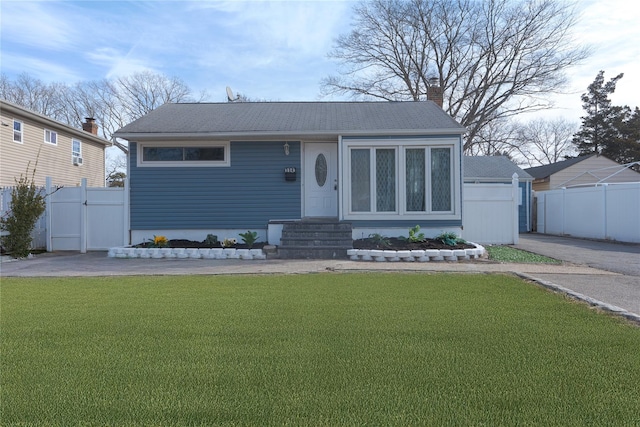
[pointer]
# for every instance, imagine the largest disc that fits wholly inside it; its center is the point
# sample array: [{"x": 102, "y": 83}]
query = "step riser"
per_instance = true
[
  {"x": 348, "y": 244},
  {"x": 315, "y": 240},
  {"x": 317, "y": 227},
  {"x": 316, "y": 235},
  {"x": 301, "y": 253}
]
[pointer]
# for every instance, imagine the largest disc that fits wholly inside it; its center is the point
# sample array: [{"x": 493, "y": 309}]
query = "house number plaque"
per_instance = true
[{"x": 289, "y": 174}]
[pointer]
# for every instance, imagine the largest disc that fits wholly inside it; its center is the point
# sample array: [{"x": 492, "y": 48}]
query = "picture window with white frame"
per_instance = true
[
  {"x": 176, "y": 154},
  {"x": 405, "y": 180},
  {"x": 50, "y": 137}
]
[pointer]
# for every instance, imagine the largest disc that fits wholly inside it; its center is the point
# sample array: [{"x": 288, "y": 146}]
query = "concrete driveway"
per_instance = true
[{"x": 621, "y": 289}]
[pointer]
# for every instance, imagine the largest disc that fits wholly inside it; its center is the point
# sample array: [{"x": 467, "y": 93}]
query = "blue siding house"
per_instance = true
[{"x": 225, "y": 168}]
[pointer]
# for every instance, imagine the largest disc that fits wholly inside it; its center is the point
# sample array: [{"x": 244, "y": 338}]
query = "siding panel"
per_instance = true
[{"x": 245, "y": 195}]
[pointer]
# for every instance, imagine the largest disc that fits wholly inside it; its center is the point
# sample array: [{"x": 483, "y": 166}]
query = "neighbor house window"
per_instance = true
[
  {"x": 76, "y": 148},
  {"x": 50, "y": 137},
  {"x": 200, "y": 154},
  {"x": 406, "y": 180},
  {"x": 17, "y": 131}
]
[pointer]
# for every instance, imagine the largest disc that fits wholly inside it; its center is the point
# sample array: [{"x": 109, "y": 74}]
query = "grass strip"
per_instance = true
[
  {"x": 321, "y": 349},
  {"x": 509, "y": 254}
]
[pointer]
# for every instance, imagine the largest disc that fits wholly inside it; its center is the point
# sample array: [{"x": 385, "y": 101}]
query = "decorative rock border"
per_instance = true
[
  {"x": 416, "y": 255},
  {"x": 187, "y": 253},
  {"x": 259, "y": 254}
]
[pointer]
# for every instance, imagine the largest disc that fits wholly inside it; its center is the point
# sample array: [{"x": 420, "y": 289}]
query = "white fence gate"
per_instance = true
[
  {"x": 490, "y": 213},
  {"x": 83, "y": 218},
  {"x": 605, "y": 211}
]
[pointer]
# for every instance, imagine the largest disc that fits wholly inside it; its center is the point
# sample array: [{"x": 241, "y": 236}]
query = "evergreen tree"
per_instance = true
[
  {"x": 626, "y": 147},
  {"x": 598, "y": 130}
]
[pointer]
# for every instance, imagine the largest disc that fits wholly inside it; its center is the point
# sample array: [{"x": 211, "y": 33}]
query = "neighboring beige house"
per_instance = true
[
  {"x": 578, "y": 171},
  {"x": 64, "y": 153}
]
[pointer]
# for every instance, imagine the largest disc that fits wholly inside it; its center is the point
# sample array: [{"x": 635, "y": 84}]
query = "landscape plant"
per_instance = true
[
  {"x": 228, "y": 243},
  {"x": 26, "y": 206},
  {"x": 415, "y": 235},
  {"x": 249, "y": 238},
  {"x": 211, "y": 240},
  {"x": 380, "y": 240},
  {"x": 160, "y": 242},
  {"x": 449, "y": 238}
]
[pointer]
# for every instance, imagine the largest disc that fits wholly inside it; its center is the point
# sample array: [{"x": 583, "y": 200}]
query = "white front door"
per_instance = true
[{"x": 321, "y": 180}]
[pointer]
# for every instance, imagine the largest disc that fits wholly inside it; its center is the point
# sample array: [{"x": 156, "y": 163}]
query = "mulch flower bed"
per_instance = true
[
  {"x": 181, "y": 243},
  {"x": 396, "y": 244},
  {"x": 393, "y": 244}
]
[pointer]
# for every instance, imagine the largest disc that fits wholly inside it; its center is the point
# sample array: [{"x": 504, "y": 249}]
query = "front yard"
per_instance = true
[{"x": 321, "y": 349}]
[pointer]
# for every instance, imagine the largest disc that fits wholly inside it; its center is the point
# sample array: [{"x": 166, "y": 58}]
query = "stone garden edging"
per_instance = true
[
  {"x": 416, "y": 255},
  {"x": 187, "y": 253},
  {"x": 258, "y": 254}
]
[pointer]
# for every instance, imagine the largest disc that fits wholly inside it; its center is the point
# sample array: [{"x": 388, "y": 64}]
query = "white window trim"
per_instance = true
[
  {"x": 185, "y": 163},
  {"x": 50, "y": 132},
  {"x": 73, "y": 153},
  {"x": 400, "y": 145},
  {"x": 20, "y": 132}
]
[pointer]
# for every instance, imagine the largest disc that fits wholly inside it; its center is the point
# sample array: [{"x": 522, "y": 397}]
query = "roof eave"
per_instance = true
[
  {"x": 133, "y": 136},
  {"x": 44, "y": 120}
]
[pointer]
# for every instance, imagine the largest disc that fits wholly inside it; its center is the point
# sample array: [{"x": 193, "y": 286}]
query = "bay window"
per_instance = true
[{"x": 411, "y": 179}]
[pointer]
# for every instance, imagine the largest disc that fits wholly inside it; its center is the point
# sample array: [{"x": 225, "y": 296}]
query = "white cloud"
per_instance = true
[{"x": 34, "y": 24}]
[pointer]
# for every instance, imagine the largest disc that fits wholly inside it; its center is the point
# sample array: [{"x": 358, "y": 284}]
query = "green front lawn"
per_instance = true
[{"x": 319, "y": 349}]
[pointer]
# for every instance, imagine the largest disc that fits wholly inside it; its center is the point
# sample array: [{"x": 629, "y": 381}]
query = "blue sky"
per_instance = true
[{"x": 273, "y": 50}]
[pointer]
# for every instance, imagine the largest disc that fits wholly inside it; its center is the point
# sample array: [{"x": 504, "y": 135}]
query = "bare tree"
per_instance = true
[
  {"x": 493, "y": 59},
  {"x": 35, "y": 95},
  {"x": 497, "y": 139},
  {"x": 112, "y": 102},
  {"x": 546, "y": 141}
]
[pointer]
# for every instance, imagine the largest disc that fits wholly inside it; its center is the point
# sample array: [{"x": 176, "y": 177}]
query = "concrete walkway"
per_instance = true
[{"x": 603, "y": 274}]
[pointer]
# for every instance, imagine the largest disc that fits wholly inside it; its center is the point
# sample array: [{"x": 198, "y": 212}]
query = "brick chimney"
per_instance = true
[
  {"x": 90, "y": 125},
  {"x": 434, "y": 91}
]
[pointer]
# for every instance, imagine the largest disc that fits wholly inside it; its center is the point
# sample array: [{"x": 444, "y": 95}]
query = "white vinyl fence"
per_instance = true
[
  {"x": 79, "y": 218},
  {"x": 605, "y": 211},
  {"x": 86, "y": 218},
  {"x": 490, "y": 213}
]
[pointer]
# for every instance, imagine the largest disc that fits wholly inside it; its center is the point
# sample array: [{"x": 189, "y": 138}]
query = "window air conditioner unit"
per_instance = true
[{"x": 77, "y": 161}]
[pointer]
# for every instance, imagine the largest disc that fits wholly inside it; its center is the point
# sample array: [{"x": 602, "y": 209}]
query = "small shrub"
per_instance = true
[
  {"x": 27, "y": 205},
  {"x": 160, "y": 242},
  {"x": 229, "y": 243},
  {"x": 450, "y": 239},
  {"x": 415, "y": 236},
  {"x": 211, "y": 240},
  {"x": 379, "y": 240},
  {"x": 249, "y": 238}
]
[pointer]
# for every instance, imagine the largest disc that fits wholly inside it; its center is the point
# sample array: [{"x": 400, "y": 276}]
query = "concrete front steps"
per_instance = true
[{"x": 317, "y": 239}]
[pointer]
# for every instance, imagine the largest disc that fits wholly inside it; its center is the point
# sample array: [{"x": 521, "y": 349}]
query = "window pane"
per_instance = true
[
  {"x": 440, "y": 179},
  {"x": 161, "y": 154},
  {"x": 75, "y": 149},
  {"x": 17, "y": 126},
  {"x": 361, "y": 180},
  {"x": 385, "y": 180},
  {"x": 321, "y": 170},
  {"x": 204, "y": 153},
  {"x": 415, "y": 180}
]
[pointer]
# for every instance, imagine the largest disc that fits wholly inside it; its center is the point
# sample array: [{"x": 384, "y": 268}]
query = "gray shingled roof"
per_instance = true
[
  {"x": 293, "y": 118},
  {"x": 544, "y": 171},
  {"x": 487, "y": 168}
]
